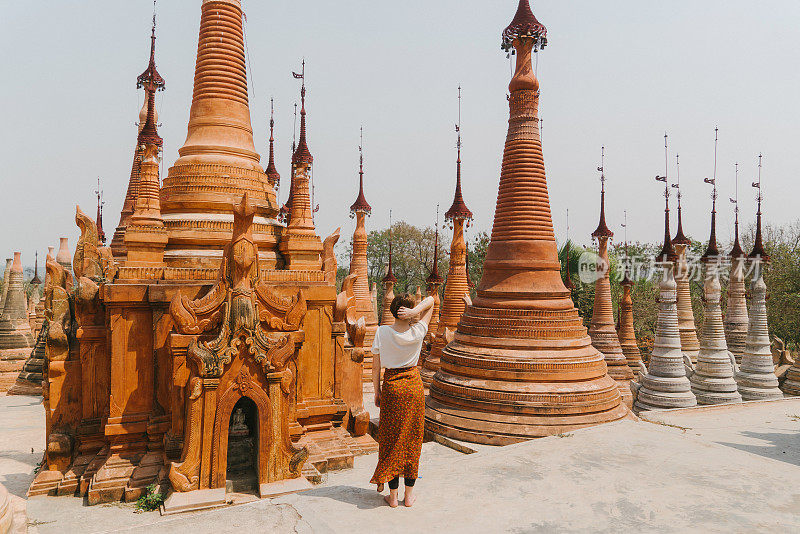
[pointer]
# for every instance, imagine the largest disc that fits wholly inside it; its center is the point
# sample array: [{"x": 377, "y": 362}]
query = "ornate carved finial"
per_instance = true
[
  {"x": 36, "y": 280},
  {"x": 523, "y": 26},
  {"x": 626, "y": 278},
  {"x": 667, "y": 253}
]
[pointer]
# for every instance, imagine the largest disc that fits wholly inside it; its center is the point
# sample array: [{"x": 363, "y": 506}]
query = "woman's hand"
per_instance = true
[
  {"x": 407, "y": 314},
  {"x": 378, "y": 399}
]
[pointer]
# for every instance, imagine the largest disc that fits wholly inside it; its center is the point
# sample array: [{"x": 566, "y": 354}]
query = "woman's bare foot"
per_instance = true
[
  {"x": 409, "y": 499},
  {"x": 391, "y": 499},
  {"x": 380, "y": 488}
]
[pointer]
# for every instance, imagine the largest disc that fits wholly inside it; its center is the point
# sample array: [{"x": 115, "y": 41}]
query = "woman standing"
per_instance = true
[{"x": 401, "y": 399}]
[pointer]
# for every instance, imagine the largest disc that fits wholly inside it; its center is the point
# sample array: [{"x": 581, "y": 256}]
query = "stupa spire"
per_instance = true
[
  {"x": 712, "y": 251},
  {"x": 736, "y": 251},
  {"x": 602, "y": 229},
  {"x": 300, "y": 245},
  {"x": 150, "y": 74},
  {"x": 602, "y": 329},
  {"x": 689, "y": 342},
  {"x": 758, "y": 252},
  {"x": 506, "y": 367},
  {"x": 680, "y": 238},
  {"x": 458, "y": 282},
  {"x": 568, "y": 252},
  {"x": 361, "y": 203},
  {"x": 301, "y": 153},
  {"x": 36, "y": 280},
  {"x": 101, "y": 235},
  {"x": 667, "y": 253},
  {"x": 273, "y": 176},
  {"x": 358, "y": 261}
]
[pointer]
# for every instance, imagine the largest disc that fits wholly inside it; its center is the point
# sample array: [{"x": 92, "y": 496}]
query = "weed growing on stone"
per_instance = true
[{"x": 150, "y": 501}]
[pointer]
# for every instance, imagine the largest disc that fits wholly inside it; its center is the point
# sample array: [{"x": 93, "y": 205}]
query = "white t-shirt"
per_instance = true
[{"x": 399, "y": 350}]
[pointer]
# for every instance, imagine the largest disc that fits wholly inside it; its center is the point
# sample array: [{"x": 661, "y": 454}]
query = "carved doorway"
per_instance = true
[{"x": 242, "y": 469}]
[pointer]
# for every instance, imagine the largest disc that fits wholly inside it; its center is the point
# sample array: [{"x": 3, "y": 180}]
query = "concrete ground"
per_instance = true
[{"x": 731, "y": 469}]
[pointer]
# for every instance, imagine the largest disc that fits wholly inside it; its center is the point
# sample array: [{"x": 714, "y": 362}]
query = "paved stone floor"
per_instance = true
[{"x": 730, "y": 469}]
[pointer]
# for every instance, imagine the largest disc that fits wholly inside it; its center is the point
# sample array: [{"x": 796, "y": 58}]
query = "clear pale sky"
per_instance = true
[{"x": 617, "y": 73}]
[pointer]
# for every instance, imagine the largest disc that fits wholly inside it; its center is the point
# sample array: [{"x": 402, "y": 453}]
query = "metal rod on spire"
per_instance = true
[
  {"x": 757, "y": 185},
  {"x": 602, "y": 168}
]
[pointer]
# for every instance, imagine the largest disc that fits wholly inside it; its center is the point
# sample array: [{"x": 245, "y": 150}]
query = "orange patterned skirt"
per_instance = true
[{"x": 402, "y": 425}]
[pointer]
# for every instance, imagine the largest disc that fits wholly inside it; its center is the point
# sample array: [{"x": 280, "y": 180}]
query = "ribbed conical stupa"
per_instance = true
[
  {"x": 521, "y": 364},
  {"x": 756, "y": 376},
  {"x": 432, "y": 286},
  {"x": 713, "y": 378},
  {"x": 218, "y": 163},
  {"x": 690, "y": 345},
  {"x": 626, "y": 333},
  {"x": 665, "y": 384},
  {"x": 15, "y": 330},
  {"x": 6, "y": 274},
  {"x": 359, "y": 266},
  {"x": 453, "y": 305},
  {"x": 602, "y": 329},
  {"x": 736, "y": 318}
]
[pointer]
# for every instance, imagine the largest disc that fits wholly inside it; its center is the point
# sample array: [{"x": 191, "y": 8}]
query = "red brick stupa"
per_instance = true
[{"x": 521, "y": 364}]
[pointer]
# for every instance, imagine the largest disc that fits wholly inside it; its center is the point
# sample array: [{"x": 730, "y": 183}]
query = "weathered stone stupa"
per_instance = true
[
  {"x": 736, "y": 318},
  {"x": 712, "y": 380},
  {"x": 432, "y": 285},
  {"x": 756, "y": 376},
  {"x": 218, "y": 162},
  {"x": 358, "y": 266},
  {"x": 16, "y": 337},
  {"x": 521, "y": 364},
  {"x": 665, "y": 384},
  {"x": 6, "y": 274},
  {"x": 15, "y": 330},
  {"x": 602, "y": 329},
  {"x": 29, "y": 380},
  {"x": 689, "y": 342},
  {"x": 457, "y": 286}
]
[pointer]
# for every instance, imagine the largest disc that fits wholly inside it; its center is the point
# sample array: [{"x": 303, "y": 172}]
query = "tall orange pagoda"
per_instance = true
[
  {"x": 521, "y": 364},
  {"x": 218, "y": 163},
  {"x": 358, "y": 266},
  {"x": 389, "y": 280},
  {"x": 602, "y": 329},
  {"x": 432, "y": 285},
  {"x": 457, "y": 285}
]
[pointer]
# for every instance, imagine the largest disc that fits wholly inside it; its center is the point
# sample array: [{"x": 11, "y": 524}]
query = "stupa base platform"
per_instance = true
[
  {"x": 624, "y": 387},
  {"x": 668, "y": 393},
  {"x": 505, "y": 429},
  {"x": 758, "y": 386},
  {"x": 710, "y": 390}
]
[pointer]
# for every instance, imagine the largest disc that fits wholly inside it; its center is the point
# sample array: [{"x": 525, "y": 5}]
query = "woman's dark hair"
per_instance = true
[{"x": 401, "y": 301}]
